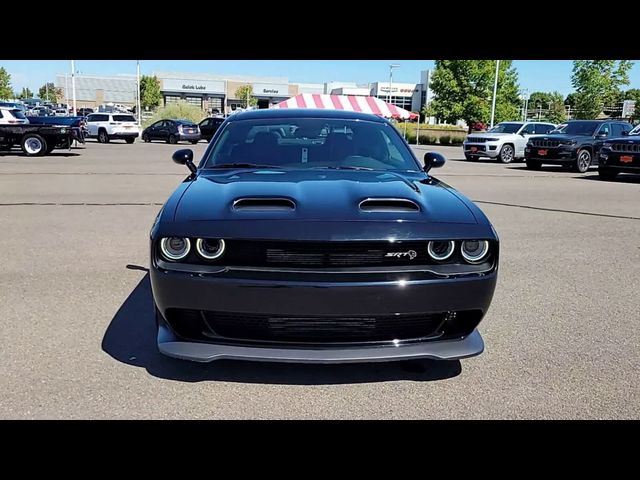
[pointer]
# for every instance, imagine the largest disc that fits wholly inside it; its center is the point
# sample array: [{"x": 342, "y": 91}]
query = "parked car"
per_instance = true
[
  {"x": 312, "y": 248},
  {"x": 209, "y": 126},
  {"x": 620, "y": 155},
  {"x": 112, "y": 126},
  {"x": 506, "y": 141},
  {"x": 42, "y": 111},
  {"x": 83, "y": 112},
  {"x": 172, "y": 131},
  {"x": 574, "y": 143},
  {"x": 12, "y": 116}
]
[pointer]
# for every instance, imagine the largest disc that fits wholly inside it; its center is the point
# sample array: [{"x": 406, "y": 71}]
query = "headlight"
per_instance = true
[
  {"x": 210, "y": 249},
  {"x": 492, "y": 139},
  {"x": 568, "y": 143},
  {"x": 175, "y": 248},
  {"x": 440, "y": 249},
  {"x": 606, "y": 145},
  {"x": 474, "y": 251}
]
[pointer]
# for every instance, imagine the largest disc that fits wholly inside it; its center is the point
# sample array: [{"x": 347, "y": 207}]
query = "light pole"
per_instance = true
[
  {"x": 73, "y": 85},
  {"x": 138, "y": 100},
  {"x": 391, "y": 67},
  {"x": 495, "y": 89}
]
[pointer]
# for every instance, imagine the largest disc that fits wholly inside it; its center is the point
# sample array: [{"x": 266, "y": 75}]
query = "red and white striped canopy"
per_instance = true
[{"x": 352, "y": 103}]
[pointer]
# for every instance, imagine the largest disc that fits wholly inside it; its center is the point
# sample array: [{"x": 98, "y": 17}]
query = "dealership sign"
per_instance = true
[
  {"x": 270, "y": 90},
  {"x": 194, "y": 86},
  {"x": 397, "y": 90}
]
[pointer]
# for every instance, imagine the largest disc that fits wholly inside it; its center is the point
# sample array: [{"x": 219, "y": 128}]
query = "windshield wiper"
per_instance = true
[
  {"x": 343, "y": 167},
  {"x": 242, "y": 165}
]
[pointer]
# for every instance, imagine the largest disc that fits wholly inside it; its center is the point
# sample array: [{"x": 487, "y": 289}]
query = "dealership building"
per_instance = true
[{"x": 220, "y": 92}]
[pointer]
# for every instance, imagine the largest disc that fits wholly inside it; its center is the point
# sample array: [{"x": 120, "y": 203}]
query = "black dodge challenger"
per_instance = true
[{"x": 317, "y": 236}]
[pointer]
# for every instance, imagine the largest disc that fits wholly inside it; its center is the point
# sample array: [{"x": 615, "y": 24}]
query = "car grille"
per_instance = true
[
  {"x": 324, "y": 254},
  {"x": 476, "y": 140},
  {"x": 324, "y": 329},
  {"x": 211, "y": 326},
  {"x": 545, "y": 143},
  {"x": 625, "y": 147}
]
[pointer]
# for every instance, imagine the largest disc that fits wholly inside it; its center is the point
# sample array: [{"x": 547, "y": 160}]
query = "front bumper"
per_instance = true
[
  {"x": 612, "y": 161},
  {"x": 489, "y": 149},
  {"x": 556, "y": 156},
  {"x": 170, "y": 345},
  {"x": 226, "y": 293}
]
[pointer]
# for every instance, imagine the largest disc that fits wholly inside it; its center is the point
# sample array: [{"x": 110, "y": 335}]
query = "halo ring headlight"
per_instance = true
[
  {"x": 175, "y": 248},
  {"x": 441, "y": 250},
  {"x": 474, "y": 251},
  {"x": 207, "y": 251}
]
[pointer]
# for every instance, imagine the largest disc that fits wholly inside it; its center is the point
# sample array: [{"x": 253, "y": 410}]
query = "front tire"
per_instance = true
[
  {"x": 129, "y": 140},
  {"x": 145, "y": 138},
  {"x": 533, "y": 164},
  {"x": 172, "y": 139},
  {"x": 33, "y": 145},
  {"x": 507, "y": 154},
  {"x": 583, "y": 162},
  {"x": 103, "y": 137},
  {"x": 606, "y": 174}
]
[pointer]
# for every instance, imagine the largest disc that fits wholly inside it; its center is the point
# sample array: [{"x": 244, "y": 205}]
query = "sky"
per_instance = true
[{"x": 534, "y": 75}]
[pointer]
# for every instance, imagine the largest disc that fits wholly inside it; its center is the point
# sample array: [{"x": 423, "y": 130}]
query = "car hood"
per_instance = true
[
  {"x": 491, "y": 135},
  {"x": 563, "y": 137},
  {"x": 324, "y": 195}
]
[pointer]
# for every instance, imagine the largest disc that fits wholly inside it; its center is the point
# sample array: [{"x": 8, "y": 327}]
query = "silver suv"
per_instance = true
[{"x": 505, "y": 141}]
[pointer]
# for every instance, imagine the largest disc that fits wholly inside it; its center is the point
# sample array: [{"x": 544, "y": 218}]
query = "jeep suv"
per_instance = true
[
  {"x": 506, "y": 141},
  {"x": 111, "y": 126},
  {"x": 575, "y": 143}
]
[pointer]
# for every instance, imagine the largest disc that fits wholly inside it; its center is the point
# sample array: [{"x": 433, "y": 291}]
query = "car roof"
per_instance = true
[{"x": 284, "y": 113}]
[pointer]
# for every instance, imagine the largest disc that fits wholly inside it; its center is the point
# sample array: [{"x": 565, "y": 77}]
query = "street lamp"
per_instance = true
[
  {"x": 495, "y": 88},
  {"x": 391, "y": 67}
]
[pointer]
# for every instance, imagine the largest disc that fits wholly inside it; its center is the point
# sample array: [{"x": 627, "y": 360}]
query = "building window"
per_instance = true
[
  {"x": 197, "y": 101},
  {"x": 171, "y": 99}
]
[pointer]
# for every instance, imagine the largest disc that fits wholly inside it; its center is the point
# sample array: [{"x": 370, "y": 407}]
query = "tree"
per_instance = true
[
  {"x": 245, "y": 92},
  {"x": 549, "y": 104},
  {"x": 6, "y": 92},
  {"x": 25, "y": 93},
  {"x": 597, "y": 84},
  {"x": 463, "y": 89},
  {"x": 150, "y": 95},
  {"x": 49, "y": 93}
]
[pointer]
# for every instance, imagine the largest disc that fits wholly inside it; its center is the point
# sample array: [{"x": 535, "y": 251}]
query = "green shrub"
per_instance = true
[
  {"x": 177, "y": 111},
  {"x": 445, "y": 139},
  {"x": 457, "y": 140}
]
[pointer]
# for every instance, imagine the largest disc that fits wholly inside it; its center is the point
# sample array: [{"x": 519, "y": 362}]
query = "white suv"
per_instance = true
[
  {"x": 12, "y": 116},
  {"x": 110, "y": 126}
]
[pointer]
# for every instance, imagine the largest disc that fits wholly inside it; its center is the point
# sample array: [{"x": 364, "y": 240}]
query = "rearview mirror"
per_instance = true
[
  {"x": 185, "y": 157},
  {"x": 433, "y": 160}
]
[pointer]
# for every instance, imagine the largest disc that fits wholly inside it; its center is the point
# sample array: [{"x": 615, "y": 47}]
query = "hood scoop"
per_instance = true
[
  {"x": 388, "y": 205},
  {"x": 264, "y": 204}
]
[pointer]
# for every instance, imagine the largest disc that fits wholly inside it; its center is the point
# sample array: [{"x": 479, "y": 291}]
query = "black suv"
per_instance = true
[
  {"x": 209, "y": 126},
  {"x": 620, "y": 155},
  {"x": 575, "y": 143}
]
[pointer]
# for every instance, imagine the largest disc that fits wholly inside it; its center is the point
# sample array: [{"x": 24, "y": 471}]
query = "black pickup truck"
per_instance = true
[{"x": 37, "y": 140}]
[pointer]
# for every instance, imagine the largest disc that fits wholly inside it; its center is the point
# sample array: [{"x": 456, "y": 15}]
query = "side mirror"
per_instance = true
[
  {"x": 602, "y": 135},
  {"x": 185, "y": 157},
  {"x": 433, "y": 160}
]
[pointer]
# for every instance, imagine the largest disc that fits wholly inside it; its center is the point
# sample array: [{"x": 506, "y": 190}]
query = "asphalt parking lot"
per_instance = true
[{"x": 562, "y": 335}]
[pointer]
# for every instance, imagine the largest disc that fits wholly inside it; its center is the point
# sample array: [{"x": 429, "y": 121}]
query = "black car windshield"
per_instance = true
[
  {"x": 306, "y": 143},
  {"x": 578, "y": 128},
  {"x": 506, "y": 128}
]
